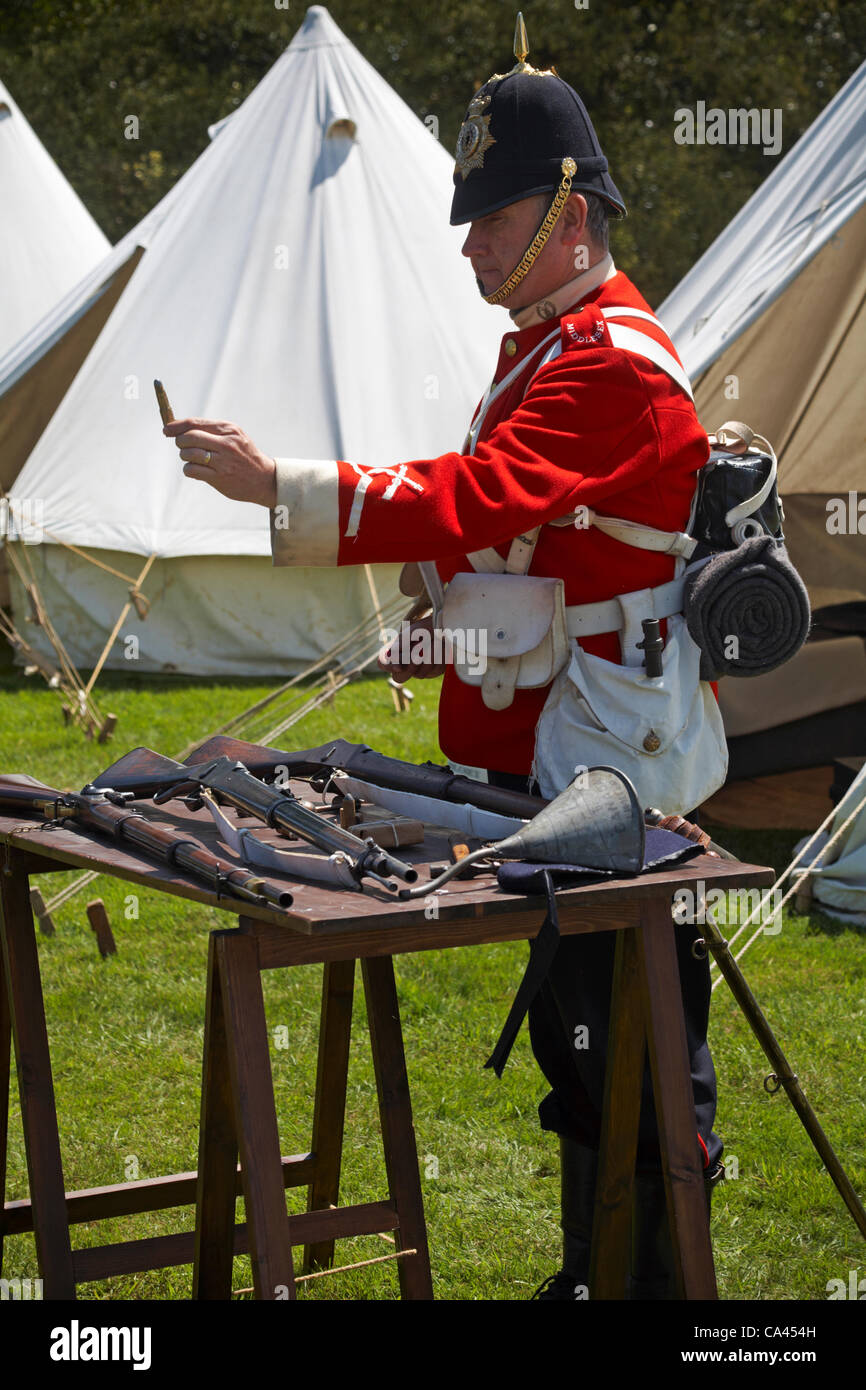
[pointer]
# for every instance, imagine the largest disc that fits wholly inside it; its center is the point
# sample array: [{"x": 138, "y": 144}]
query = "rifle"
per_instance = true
[
  {"x": 135, "y": 772},
  {"x": 105, "y": 811},
  {"x": 145, "y": 773}
]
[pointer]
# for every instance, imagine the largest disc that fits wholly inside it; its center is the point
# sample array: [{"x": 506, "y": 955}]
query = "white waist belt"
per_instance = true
[{"x": 590, "y": 619}]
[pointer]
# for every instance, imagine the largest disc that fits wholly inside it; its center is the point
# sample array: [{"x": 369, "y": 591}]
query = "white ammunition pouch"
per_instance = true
[
  {"x": 665, "y": 734},
  {"x": 507, "y": 632}
]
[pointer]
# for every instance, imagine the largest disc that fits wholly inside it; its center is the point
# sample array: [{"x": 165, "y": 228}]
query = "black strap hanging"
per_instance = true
[{"x": 542, "y": 949}]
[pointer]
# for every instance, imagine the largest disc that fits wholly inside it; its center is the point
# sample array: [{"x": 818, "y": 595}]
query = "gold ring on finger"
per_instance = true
[{"x": 207, "y": 456}]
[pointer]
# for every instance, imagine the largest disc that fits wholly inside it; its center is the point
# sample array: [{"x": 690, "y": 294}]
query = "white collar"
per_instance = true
[{"x": 555, "y": 304}]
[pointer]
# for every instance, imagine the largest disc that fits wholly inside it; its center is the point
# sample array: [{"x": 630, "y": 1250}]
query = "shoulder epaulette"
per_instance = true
[{"x": 585, "y": 327}]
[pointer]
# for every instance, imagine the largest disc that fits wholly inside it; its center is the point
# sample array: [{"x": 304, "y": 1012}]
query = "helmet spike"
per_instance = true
[
  {"x": 521, "y": 51},
  {"x": 521, "y": 42}
]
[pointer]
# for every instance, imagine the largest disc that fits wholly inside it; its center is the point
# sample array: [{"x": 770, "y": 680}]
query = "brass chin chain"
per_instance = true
[{"x": 569, "y": 169}]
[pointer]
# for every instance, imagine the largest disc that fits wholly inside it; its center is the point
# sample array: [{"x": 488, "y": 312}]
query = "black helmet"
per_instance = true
[{"x": 517, "y": 131}]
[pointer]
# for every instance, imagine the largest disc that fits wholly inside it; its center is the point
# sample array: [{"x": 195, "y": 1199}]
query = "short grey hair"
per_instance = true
[{"x": 597, "y": 219}]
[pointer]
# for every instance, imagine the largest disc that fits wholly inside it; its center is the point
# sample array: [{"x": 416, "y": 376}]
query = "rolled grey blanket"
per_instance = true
[{"x": 747, "y": 609}]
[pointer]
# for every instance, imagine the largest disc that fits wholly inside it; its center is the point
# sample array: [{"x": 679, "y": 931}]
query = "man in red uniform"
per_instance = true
[{"x": 575, "y": 423}]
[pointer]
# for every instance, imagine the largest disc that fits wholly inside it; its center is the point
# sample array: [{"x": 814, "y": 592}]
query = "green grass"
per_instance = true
[{"x": 126, "y": 1037}]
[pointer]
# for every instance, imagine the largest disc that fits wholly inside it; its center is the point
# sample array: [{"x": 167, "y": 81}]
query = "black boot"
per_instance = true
[
  {"x": 652, "y": 1256},
  {"x": 579, "y": 1168}
]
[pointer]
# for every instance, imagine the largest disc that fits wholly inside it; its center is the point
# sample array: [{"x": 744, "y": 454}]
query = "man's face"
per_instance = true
[{"x": 497, "y": 242}]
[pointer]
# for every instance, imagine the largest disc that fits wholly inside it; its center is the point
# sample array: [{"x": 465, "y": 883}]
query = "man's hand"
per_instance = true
[
  {"x": 219, "y": 453},
  {"x": 419, "y": 667}
]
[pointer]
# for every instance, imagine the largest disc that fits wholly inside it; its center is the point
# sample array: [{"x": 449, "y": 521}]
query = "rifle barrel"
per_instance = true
[{"x": 158, "y": 840}]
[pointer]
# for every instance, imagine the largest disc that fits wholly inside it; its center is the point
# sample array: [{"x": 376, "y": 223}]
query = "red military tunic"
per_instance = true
[{"x": 598, "y": 427}]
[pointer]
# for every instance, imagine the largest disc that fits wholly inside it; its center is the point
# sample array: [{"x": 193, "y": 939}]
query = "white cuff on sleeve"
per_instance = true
[{"x": 305, "y": 523}]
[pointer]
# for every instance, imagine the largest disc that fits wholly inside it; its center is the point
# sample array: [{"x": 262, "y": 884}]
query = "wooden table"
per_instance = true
[{"x": 238, "y": 1114}]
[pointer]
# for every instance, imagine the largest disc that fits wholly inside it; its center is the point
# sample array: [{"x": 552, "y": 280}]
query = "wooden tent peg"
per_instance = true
[
  {"x": 41, "y": 913},
  {"x": 109, "y": 724},
  {"x": 98, "y": 918}
]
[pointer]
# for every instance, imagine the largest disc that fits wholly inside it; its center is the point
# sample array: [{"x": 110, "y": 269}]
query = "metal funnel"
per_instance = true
[{"x": 596, "y": 822}]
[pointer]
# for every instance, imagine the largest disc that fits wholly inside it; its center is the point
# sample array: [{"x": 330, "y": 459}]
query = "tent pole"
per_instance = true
[
  {"x": 377, "y": 607},
  {"x": 94, "y": 675},
  {"x": 91, "y": 559},
  {"x": 71, "y": 684},
  {"x": 266, "y": 700},
  {"x": 360, "y": 631},
  {"x": 781, "y": 1075},
  {"x": 316, "y": 698},
  {"x": 767, "y": 897}
]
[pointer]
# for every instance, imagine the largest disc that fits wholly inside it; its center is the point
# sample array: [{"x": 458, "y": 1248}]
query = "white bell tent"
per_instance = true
[
  {"x": 301, "y": 279},
  {"x": 48, "y": 239},
  {"x": 839, "y": 886}
]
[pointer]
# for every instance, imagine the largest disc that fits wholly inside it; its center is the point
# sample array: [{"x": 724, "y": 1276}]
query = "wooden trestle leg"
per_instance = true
[
  {"x": 611, "y": 1232},
  {"x": 398, "y": 1134},
  {"x": 5, "y": 1077},
  {"x": 242, "y": 1043},
  {"x": 646, "y": 1015},
  {"x": 338, "y": 987},
  {"x": 36, "y": 1088},
  {"x": 217, "y": 1154},
  {"x": 675, "y": 1109}
]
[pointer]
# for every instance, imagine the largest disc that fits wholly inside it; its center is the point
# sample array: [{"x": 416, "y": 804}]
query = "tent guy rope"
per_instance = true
[
  {"x": 811, "y": 868},
  {"x": 791, "y": 891}
]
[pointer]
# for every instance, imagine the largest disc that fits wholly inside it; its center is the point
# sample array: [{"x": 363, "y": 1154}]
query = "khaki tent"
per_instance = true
[{"x": 771, "y": 327}]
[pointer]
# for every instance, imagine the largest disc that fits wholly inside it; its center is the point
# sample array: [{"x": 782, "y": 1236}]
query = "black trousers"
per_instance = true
[{"x": 568, "y": 1027}]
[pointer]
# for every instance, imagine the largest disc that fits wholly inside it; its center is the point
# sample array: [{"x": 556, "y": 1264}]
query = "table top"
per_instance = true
[{"x": 323, "y": 911}]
